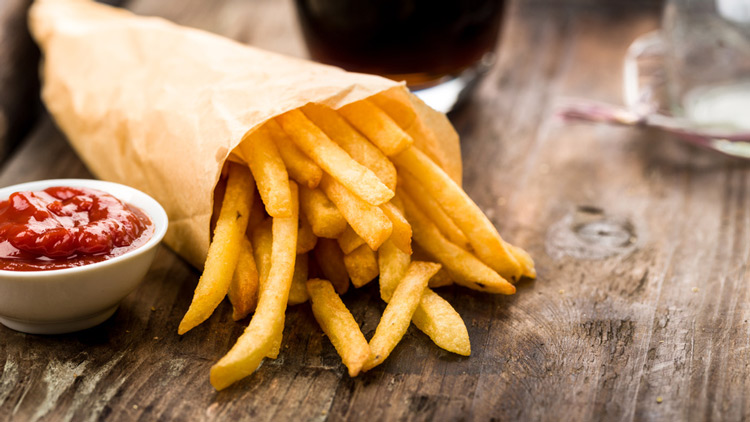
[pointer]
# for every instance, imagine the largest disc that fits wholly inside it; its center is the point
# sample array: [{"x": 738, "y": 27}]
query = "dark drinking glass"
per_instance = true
[{"x": 423, "y": 42}]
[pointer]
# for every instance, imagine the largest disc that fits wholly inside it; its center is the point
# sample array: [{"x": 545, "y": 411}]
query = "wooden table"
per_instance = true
[{"x": 640, "y": 311}]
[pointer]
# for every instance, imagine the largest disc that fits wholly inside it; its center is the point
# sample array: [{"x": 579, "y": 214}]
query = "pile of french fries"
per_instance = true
[{"x": 343, "y": 193}]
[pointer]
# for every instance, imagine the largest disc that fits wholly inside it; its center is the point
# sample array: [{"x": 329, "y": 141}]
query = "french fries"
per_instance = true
[
  {"x": 326, "y": 220},
  {"x": 334, "y": 160},
  {"x": 482, "y": 235},
  {"x": 400, "y": 309},
  {"x": 464, "y": 268},
  {"x": 368, "y": 221},
  {"x": 356, "y": 145},
  {"x": 434, "y": 316},
  {"x": 301, "y": 169},
  {"x": 224, "y": 250},
  {"x": 328, "y": 180},
  {"x": 377, "y": 126},
  {"x": 349, "y": 240},
  {"x": 362, "y": 265},
  {"x": 268, "y": 320}
]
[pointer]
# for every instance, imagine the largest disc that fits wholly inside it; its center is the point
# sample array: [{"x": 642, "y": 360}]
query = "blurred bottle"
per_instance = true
[{"x": 439, "y": 47}]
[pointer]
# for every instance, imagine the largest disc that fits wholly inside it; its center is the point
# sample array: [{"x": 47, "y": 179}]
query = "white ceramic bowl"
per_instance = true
[{"x": 72, "y": 299}]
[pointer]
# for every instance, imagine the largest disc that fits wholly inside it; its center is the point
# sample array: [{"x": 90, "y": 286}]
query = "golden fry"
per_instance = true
[
  {"x": 392, "y": 265},
  {"x": 362, "y": 265},
  {"x": 223, "y": 250},
  {"x": 349, "y": 240},
  {"x": 268, "y": 321},
  {"x": 326, "y": 220},
  {"x": 243, "y": 290},
  {"x": 262, "y": 244},
  {"x": 377, "y": 126},
  {"x": 464, "y": 268},
  {"x": 401, "y": 234},
  {"x": 298, "y": 292},
  {"x": 433, "y": 211},
  {"x": 333, "y": 159},
  {"x": 351, "y": 141},
  {"x": 300, "y": 167},
  {"x": 482, "y": 235},
  {"x": 306, "y": 239},
  {"x": 269, "y": 171},
  {"x": 368, "y": 221},
  {"x": 339, "y": 325},
  {"x": 397, "y": 315},
  {"x": 437, "y": 318},
  {"x": 331, "y": 262}
]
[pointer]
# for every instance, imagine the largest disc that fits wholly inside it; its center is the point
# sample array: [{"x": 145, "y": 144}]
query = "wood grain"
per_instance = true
[{"x": 641, "y": 245}]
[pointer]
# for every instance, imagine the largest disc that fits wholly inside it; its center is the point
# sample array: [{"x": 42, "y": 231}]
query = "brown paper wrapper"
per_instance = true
[{"x": 160, "y": 107}]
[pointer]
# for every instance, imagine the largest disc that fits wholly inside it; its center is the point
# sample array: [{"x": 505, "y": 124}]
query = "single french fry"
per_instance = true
[
  {"x": 377, "y": 126},
  {"x": 339, "y": 325},
  {"x": 326, "y": 220},
  {"x": 368, "y": 221},
  {"x": 298, "y": 292},
  {"x": 269, "y": 171},
  {"x": 349, "y": 240},
  {"x": 392, "y": 265},
  {"x": 330, "y": 260},
  {"x": 243, "y": 290},
  {"x": 223, "y": 250},
  {"x": 268, "y": 320},
  {"x": 463, "y": 267},
  {"x": 362, "y": 265},
  {"x": 436, "y": 317},
  {"x": 306, "y": 239},
  {"x": 262, "y": 244},
  {"x": 482, "y": 235},
  {"x": 351, "y": 141},
  {"x": 434, "y": 212},
  {"x": 263, "y": 241},
  {"x": 397, "y": 315},
  {"x": 401, "y": 234},
  {"x": 333, "y": 159},
  {"x": 300, "y": 167}
]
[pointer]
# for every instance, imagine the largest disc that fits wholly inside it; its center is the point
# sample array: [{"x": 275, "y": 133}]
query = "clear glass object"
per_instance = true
[
  {"x": 707, "y": 62},
  {"x": 693, "y": 75}
]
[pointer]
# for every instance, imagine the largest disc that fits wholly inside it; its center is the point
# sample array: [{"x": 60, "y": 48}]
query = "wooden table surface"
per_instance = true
[{"x": 640, "y": 311}]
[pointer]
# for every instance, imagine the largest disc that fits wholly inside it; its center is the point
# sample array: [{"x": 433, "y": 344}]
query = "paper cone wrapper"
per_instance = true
[{"x": 159, "y": 107}]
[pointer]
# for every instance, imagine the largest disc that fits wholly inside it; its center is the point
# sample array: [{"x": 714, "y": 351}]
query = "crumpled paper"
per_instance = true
[{"x": 160, "y": 107}]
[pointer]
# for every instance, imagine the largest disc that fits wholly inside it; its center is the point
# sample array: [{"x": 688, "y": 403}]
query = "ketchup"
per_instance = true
[{"x": 64, "y": 227}]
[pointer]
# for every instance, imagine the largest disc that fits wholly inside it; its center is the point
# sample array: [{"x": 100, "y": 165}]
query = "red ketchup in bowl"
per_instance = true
[{"x": 63, "y": 227}]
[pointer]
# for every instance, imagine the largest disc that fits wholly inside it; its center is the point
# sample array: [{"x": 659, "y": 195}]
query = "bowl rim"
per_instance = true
[{"x": 156, "y": 213}]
